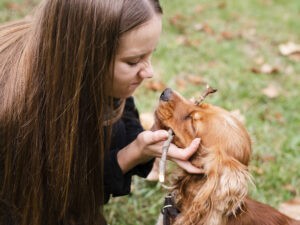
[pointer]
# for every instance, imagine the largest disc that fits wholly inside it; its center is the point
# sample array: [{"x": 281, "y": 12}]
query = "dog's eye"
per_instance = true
[{"x": 187, "y": 117}]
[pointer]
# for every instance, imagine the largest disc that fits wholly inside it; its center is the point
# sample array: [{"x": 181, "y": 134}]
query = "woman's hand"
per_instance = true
[{"x": 148, "y": 144}]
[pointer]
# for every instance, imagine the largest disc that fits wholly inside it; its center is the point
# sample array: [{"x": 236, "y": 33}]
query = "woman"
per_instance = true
[{"x": 69, "y": 132}]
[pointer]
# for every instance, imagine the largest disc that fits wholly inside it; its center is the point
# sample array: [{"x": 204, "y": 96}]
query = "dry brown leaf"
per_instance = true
[
  {"x": 259, "y": 60},
  {"x": 13, "y": 6},
  {"x": 147, "y": 120},
  {"x": 289, "y": 48},
  {"x": 222, "y": 5},
  {"x": 268, "y": 158},
  {"x": 290, "y": 188},
  {"x": 289, "y": 70},
  {"x": 227, "y": 35},
  {"x": 257, "y": 170},
  {"x": 181, "y": 40},
  {"x": 279, "y": 117},
  {"x": 268, "y": 69},
  {"x": 195, "y": 79},
  {"x": 295, "y": 57},
  {"x": 181, "y": 83},
  {"x": 184, "y": 40},
  {"x": 207, "y": 29},
  {"x": 265, "y": 69},
  {"x": 178, "y": 21},
  {"x": 237, "y": 114},
  {"x": 198, "y": 27},
  {"x": 291, "y": 208},
  {"x": 155, "y": 85},
  {"x": 199, "y": 9},
  {"x": 271, "y": 91}
]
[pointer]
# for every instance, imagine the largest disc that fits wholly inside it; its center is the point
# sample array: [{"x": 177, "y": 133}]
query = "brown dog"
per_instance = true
[{"x": 219, "y": 196}]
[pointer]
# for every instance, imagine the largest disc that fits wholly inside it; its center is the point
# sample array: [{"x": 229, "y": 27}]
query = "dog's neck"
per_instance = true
[{"x": 211, "y": 198}]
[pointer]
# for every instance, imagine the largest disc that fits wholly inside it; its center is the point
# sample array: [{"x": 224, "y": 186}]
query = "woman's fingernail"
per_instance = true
[
  {"x": 164, "y": 134},
  {"x": 197, "y": 141}
]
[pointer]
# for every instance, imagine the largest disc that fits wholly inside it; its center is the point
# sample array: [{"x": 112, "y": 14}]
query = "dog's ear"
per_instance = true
[
  {"x": 196, "y": 115},
  {"x": 224, "y": 189}
]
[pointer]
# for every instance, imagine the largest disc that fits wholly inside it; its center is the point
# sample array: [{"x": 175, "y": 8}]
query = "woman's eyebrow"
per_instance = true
[
  {"x": 133, "y": 56},
  {"x": 137, "y": 55}
]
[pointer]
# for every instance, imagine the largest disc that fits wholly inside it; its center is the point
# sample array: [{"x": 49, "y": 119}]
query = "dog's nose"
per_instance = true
[{"x": 165, "y": 96}]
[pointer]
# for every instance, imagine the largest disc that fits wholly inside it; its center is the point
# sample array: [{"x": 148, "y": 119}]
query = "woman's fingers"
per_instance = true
[
  {"x": 152, "y": 137},
  {"x": 188, "y": 167},
  {"x": 184, "y": 154}
]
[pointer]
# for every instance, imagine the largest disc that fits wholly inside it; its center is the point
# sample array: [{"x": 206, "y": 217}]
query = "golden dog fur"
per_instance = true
[{"x": 219, "y": 196}]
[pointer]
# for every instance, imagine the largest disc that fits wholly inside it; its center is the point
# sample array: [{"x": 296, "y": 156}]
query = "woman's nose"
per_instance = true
[{"x": 147, "y": 71}]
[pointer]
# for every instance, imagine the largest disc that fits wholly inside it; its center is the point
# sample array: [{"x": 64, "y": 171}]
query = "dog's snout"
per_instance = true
[{"x": 166, "y": 94}]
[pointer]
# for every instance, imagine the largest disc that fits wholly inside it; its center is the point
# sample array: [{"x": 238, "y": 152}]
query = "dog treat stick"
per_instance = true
[
  {"x": 209, "y": 90},
  {"x": 162, "y": 162}
]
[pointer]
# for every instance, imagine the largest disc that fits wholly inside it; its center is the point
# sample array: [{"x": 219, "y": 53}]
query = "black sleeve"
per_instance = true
[{"x": 123, "y": 133}]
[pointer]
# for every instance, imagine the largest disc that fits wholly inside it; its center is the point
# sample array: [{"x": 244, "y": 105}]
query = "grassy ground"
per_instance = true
[
  {"x": 223, "y": 42},
  {"x": 233, "y": 46}
]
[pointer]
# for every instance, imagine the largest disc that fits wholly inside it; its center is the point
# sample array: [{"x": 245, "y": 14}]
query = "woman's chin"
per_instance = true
[{"x": 123, "y": 95}]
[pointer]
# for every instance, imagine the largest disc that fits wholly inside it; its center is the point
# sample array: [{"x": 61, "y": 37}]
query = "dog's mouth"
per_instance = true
[
  {"x": 165, "y": 127},
  {"x": 176, "y": 139}
]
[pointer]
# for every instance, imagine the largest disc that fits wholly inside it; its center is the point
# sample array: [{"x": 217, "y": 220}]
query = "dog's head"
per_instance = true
[{"x": 218, "y": 129}]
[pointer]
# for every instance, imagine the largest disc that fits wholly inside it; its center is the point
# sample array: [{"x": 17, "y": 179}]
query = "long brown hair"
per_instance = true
[{"x": 55, "y": 73}]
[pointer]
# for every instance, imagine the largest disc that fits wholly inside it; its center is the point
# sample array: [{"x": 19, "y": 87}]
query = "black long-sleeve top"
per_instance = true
[{"x": 124, "y": 131}]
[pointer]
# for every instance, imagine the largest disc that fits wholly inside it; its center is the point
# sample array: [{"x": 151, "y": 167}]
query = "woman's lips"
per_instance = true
[{"x": 136, "y": 84}]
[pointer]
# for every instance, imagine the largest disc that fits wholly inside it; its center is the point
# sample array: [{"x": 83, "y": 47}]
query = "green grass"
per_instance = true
[
  {"x": 256, "y": 28},
  {"x": 14, "y": 9}
]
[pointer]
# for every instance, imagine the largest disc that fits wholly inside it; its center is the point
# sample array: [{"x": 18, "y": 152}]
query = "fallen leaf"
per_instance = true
[
  {"x": 271, "y": 91},
  {"x": 268, "y": 158},
  {"x": 178, "y": 22},
  {"x": 198, "y": 27},
  {"x": 265, "y": 69},
  {"x": 155, "y": 85},
  {"x": 196, "y": 79},
  {"x": 279, "y": 117},
  {"x": 268, "y": 69},
  {"x": 257, "y": 170},
  {"x": 207, "y": 29},
  {"x": 181, "y": 83},
  {"x": 259, "y": 60},
  {"x": 222, "y": 5},
  {"x": 238, "y": 115},
  {"x": 227, "y": 35},
  {"x": 291, "y": 189},
  {"x": 199, "y": 9},
  {"x": 147, "y": 120},
  {"x": 13, "y": 6},
  {"x": 289, "y": 70},
  {"x": 249, "y": 34},
  {"x": 291, "y": 208},
  {"x": 181, "y": 40},
  {"x": 289, "y": 48},
  {"x": 295, "y": 57},
  {"x": 184, "y": 40}
]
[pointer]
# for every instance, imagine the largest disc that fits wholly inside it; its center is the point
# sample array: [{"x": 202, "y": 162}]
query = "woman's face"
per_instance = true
[{"x": 133, "y": 59}]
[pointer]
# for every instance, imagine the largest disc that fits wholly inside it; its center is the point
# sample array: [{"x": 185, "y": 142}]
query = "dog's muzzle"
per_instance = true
[{"x": 166, "y": 95}]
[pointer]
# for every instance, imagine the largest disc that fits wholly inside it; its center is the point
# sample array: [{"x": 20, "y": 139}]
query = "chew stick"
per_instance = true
[
  {"x": 162, "y": 162},
  {"x": 209, "y": 90}
]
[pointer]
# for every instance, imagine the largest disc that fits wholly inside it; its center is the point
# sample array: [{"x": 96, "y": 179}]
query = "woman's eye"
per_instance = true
[{"x": 133, "y": 63}]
